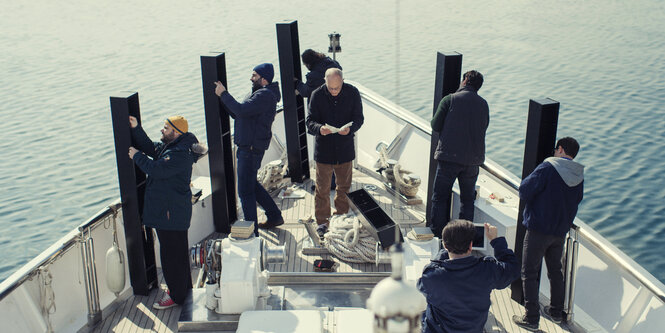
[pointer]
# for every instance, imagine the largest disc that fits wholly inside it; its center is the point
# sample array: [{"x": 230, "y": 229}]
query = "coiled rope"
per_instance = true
[{"x": 349, "y": 241}]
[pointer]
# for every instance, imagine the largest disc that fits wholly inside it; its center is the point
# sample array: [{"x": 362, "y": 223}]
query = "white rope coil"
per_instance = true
[
  {"x": 396, "y": 175},
  {"x": 347, "y": 240}
]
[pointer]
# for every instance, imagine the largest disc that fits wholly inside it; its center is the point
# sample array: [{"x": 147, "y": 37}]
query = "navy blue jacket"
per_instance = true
[
  {"x": 458, "y": 291},
  {"x": 254, "y": 116},
  {"x": 168, "y": 197},
  {"x": 552, "y": 193},
  {"x": 316, "y": 77},
  {"x": 336, "y": 111},
  {"x": 461, "y": 120}
]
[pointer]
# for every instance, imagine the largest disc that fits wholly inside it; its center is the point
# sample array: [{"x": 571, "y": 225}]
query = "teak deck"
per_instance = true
[{"x": 135, "y": 314}]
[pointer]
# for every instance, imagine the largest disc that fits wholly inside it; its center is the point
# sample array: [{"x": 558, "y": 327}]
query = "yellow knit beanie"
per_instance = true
[{"x": 178, "y": 123}]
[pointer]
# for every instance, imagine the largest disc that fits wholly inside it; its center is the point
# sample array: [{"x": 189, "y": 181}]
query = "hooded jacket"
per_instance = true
[
  {"x": 316, "y": 77},
  {"x": 336, "y": 111},
  {"x": 552, "y": 193},
  {"x": 458, "y": 290},
  {"x": 168, "y": 197},
  {"x": 253, "y": 117},
  {"x": 461, "y": 120}
]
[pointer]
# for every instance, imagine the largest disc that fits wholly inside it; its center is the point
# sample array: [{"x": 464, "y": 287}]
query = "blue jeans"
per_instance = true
[
  {"x": 536, "y": 246},
  {"x": 446, "y": 173},
  {"x": 250, "y": 191}
]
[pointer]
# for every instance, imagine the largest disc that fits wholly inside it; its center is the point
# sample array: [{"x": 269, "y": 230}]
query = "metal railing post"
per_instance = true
[
  {"x": 570, "y": 270},
  {"x": 90, "y": 278}
]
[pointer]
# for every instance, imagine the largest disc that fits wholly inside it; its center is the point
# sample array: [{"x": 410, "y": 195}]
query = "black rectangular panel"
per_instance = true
[
  {"x": 220, "y": 153},
  {"x": 539, "y": 144},
  {"x": 294, "y": 106},
  {"x": 446, "y": 81},
  {"x": 140, "y": 242},
  {"x": 373, "y": 218}
]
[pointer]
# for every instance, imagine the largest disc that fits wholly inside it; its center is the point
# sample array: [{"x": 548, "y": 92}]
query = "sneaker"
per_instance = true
[
  {"x": 322, "y": 229},
  {"x": 554, "y": 317},
  {"x": 271, "y": 224},
  {"x": 164, "y": 303},
  {"x": 523, "y": 323}
]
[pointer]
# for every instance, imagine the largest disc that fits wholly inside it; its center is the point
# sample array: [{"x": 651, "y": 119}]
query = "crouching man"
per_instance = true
[{"x": 457, "y": 285}]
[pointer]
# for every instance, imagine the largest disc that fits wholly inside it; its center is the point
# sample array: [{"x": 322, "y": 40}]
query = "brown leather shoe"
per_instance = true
[{"x": 271, "y": 224}]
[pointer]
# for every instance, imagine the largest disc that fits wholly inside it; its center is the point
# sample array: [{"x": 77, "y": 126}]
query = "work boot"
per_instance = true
[
  {"x": 271, "y": 224},
  {"x": 554, "y": 316},
  {"x": 525, "y": 324},
  {"x": 321, "y": 230}
]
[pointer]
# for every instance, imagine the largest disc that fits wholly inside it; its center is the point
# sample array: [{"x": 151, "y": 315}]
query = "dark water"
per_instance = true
[{"x": 603, "y": 60}]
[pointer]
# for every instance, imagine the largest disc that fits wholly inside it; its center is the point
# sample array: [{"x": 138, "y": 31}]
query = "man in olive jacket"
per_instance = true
[
  {"x": 331, "y": 107},
  {"x": 461, "y": 121},
  {"x": 168, "y": 198}
]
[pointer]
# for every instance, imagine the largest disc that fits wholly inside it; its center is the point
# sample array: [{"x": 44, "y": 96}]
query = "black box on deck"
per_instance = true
[{"x": 373, "y": 218}]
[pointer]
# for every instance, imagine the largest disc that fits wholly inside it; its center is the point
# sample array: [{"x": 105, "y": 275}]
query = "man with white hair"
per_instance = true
[{"x": 335, "y": 114}]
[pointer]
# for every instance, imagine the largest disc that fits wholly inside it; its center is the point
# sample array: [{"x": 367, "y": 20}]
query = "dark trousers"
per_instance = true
[
  {"x": 250, "y": 191},
  {"x": 446, "y": 173},
  {"x": 536, "y": 246},
  {"x": 174, "y": 253}
]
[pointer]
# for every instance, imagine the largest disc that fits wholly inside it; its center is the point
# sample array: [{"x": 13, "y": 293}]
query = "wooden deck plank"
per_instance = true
[
  {"x": 111, "y": 320},
  {"x": 123, "y": 325},
  {"x": 148, "y": 311}
]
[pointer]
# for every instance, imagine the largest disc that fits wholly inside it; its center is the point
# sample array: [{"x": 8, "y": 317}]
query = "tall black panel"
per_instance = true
[
  {"x": 140, "y": 242},
  {"x": 446, "y": 81},
  {"x": 539, "y": 145},
  {"x": 294, "y": 106},
  {"x": 220, "y": 153}
]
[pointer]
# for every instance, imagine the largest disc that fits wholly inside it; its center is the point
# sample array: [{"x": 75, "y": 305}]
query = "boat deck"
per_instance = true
[{"x": 136, "y": 314}]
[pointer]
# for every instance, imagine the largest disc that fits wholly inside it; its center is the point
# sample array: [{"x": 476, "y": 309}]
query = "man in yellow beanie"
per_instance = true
[{"x": 167, "y": 205}]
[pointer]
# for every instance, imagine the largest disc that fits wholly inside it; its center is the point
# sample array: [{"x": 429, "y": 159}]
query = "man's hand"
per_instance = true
[
  {"x": 490, "y": 232},
  {"x": 133, "y": 122},
  {"x": 324, "y": 131},
  {"x": 295, "y": 82},
  {"x": 219, "y": 88},
  {"x": 132, "y": 152},
  {"x": 345, "y": 131}
]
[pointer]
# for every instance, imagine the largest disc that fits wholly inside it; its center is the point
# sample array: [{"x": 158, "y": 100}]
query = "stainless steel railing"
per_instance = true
[
  {"x": 28, "y": 272},
  {"x": 581, "y": 232},
  {"x": 569, "y": 273},
  {"x": 90, "y": 276},
  {"x": 589, "y": 239}
]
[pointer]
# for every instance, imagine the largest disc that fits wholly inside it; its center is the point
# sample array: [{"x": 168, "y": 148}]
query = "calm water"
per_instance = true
[{"x": 603, "y": 60}]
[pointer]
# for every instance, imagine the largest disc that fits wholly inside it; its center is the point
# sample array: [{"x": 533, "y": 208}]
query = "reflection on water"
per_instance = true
[{"x": 603, "y": 62}]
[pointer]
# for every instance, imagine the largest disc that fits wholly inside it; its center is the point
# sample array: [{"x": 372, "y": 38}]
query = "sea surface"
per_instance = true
[{"x": 604, "y": 61}]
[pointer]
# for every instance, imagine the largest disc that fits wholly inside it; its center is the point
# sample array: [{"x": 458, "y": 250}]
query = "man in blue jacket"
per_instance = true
[
  {"x": 461, "y": 120},
  {"x": 552, "y": 193},
  {"x": 332, "y": 108},
  {"x": 167, "y": 205},
  {"x": 252, "y": 125},
  {"x": 457, "y": 285}
]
